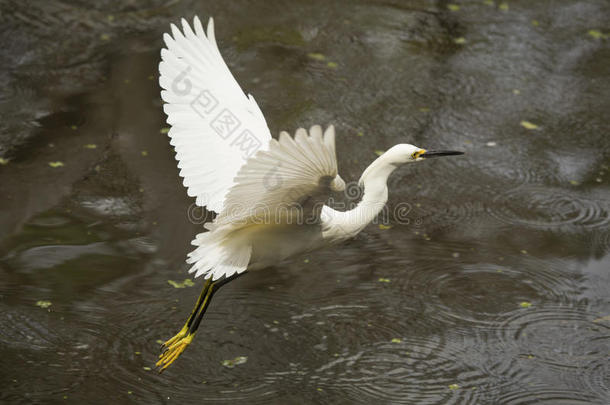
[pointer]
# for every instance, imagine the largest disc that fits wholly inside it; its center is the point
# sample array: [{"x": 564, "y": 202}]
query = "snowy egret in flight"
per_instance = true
[{"x": 268, "y": 194}]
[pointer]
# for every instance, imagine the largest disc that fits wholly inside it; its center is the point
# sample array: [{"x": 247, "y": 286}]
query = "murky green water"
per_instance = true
[{"x": 495, "y": 292}]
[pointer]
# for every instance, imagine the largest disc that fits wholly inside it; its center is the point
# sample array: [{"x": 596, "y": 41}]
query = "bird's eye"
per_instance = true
[{"x": 415, "y": 154}]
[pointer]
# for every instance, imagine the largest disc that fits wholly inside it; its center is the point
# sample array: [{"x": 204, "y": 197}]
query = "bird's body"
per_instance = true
[{"x": 269, "y": 194}]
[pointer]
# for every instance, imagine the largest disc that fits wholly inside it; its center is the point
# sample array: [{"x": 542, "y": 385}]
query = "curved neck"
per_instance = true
[{"x": 342, "y": 225}]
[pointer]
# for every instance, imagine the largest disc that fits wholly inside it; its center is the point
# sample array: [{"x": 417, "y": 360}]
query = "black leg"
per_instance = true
[
  {"x": 176, "y": 345},
  {"x": 206, "y": 302},
  {"x": 189, "y": 322}
]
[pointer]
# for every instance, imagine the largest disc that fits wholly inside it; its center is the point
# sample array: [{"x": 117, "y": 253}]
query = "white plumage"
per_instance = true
[{"x": 204, "y": 103}]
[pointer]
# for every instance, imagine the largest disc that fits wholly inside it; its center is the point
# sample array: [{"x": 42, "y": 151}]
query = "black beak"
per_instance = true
[{"x": 437, "y": 153}]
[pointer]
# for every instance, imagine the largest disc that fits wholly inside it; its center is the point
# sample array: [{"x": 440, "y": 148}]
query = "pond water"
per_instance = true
[{"x": 493, "y": 290}]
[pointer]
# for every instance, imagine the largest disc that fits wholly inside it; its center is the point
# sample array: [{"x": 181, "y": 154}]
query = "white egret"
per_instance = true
[{"x": 268, "y": 193}]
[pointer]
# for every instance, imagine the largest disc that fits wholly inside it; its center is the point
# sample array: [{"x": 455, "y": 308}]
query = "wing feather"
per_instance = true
[
  {"x": 215, "y": 126},
  {"x": 279, "y": 180}
]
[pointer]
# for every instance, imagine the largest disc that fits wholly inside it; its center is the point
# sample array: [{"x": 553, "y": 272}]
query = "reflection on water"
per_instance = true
[{"x": 494, "y": 291}]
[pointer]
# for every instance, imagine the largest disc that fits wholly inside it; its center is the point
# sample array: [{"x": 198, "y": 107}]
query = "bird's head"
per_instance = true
[
  {"x": 405, "y": 153},
  {"x": 397, "y": 156}
]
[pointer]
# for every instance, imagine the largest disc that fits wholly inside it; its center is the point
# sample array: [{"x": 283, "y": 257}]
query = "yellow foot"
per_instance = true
[
  {"x": 173, "y": 351},
  {"x": 177, "y": 337}
]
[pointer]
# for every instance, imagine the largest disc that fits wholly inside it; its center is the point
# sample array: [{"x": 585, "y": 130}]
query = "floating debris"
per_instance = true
[
  {"x": 56, "y": 164},
  {"x": 332, "y": 65},
  {"x": 3, "y": 161},
  {"x": 396, "y": 340},
  {"x": 525, "y": 304},
  {"x": 528, "y": 125},
  {"x": 454, "y": 387},
  {"x": 516, "y": 92},
  {"x": 145, "y": 368},
  {"x": 503, "y": 6},
  {"x": 43, "y": 304},
  {"x": 104, "y": 37},
  {"x": 491, "y": 144},
  {"x": 535, "y": 23},
  {"x": 164, "y": 130},
  {"x": 383, "y": 280},
  {"x": 597, "y": 34},
  {"x": 379, "y": 152},
  {"x": 460, "y": 40},
  {"x": 186, "y": 283},
  {"x": 90, "y": 146},
  {"x": 424, "y": 109},
  {"x": 144, "y": 153},
  {"x": 489, "y": 2},
  {"x": 602, "y": 319},
  {"x": 453, "y": 7},
  {"x": 384, "y": 227},
  {"x": 235, "y": 362},
  {"x": 316, "y": 56},
  {"x": 306, "y": 261}
]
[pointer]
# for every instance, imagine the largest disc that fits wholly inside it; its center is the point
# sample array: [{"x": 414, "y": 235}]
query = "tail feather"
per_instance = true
[{"x": 217, "y": 255}]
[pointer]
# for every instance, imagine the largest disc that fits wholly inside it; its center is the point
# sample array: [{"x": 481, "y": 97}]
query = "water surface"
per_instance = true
[{"x": 492, "y": 288}]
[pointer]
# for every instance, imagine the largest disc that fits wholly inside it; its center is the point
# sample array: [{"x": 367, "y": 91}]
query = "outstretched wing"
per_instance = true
[
  {"x": 215, "y": 127},
  {"x": 291, "y": 178}
]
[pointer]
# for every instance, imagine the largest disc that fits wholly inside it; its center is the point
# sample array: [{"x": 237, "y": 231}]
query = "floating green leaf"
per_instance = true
[
  {"x": 332, "y": 65},
  {"x": 454, "y": 387},
  {"x": 488, "y": 2},
  {"x": 535, "y": 23},
  {"x": 503, "y": 6},
  {"x": 90, "y": 146},
  {"x": 396, "y": 340},
  {"x": 56, "y": 164},
  {"x": 316, "y": 56},
  {"x": 528, "y": 125},
  {"x": 104, "y": 37},
  {"x": 164, "y": 130},
  {"x": 525, "y": 304},
  {"x": 453, "y": 7},
  {"x": 384, "y": 227},
  {"x": 597, "y": 34},
  {"x": 186, "y": 283},
  {"x": 144, "y": 153},
  {"x": 44, "y": 304},
  {"x": 383, "y": 280},
  {"x": 234, "y": 362},
  {"x": 360, "y": 134},
  {"x": 379, "y": 152},
  {"x": 460, "y": 40},
  {"x": 3, "y": 161}
]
